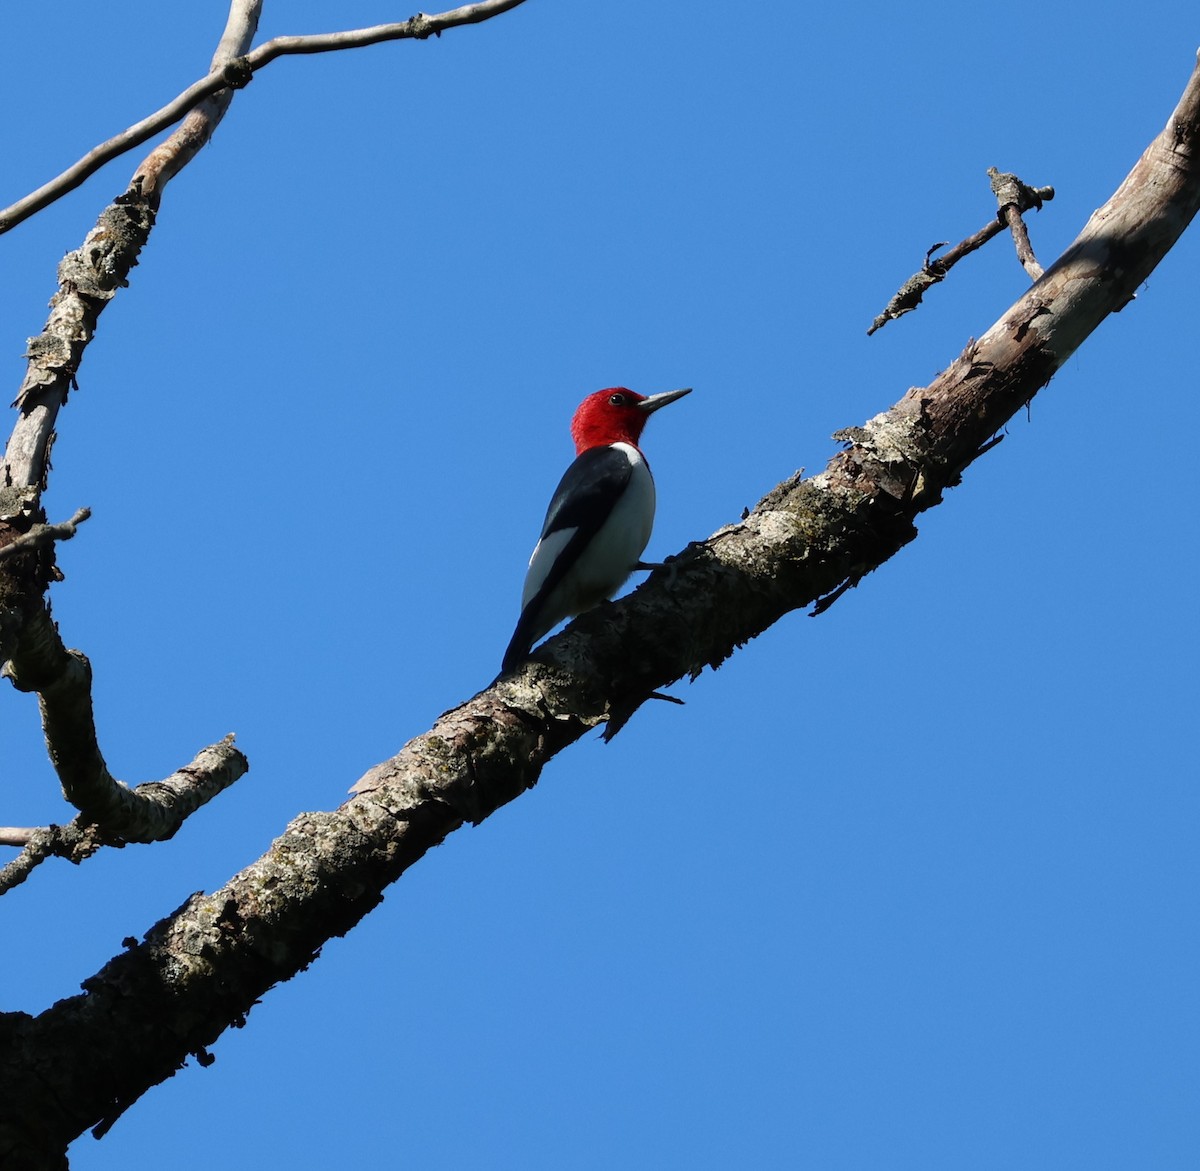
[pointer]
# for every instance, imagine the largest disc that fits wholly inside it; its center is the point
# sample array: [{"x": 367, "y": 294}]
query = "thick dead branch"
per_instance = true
[
  {"x": 204, "y": 967},
  {"x": 152, "y": 812},
  {"x": 232, "y": 68},
  {"x": 1015, "y": 198}
]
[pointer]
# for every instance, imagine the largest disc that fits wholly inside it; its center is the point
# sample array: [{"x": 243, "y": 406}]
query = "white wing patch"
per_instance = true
[{"x": 542, "y": 560}]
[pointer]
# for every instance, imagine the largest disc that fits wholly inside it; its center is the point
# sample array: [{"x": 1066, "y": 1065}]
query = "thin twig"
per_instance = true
[
  {"x": 909, "y": 295},
  {"x": 45, "y": 534},
  {"x": 18, "y": 870},
  {"x": 15, "y": 835},
  {"x": 75, "y": 842},
  {"x": 233, "y": 73}
]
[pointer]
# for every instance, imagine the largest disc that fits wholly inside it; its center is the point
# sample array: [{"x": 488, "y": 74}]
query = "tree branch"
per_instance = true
[
  {"x": 41, "y": 535},
  {"x": 90, "y": 277},
  {"x": 73, "y": 842},
  {"x": 232, "y": 68},
  {"x": 151, "y": 812},
  {"x": 30, "y": 649},
  {"x": 204, "y": 967},
  {"x": 1015, "y": 197},
  {"x": 31, "y": 652},
  {"x": 166, "y": 160}
]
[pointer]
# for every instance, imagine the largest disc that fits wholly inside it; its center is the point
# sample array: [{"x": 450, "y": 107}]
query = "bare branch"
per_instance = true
[
  {"x": 41, "y": 535},
  {"x": 1014, "y": 197},
  {"x": 232, "y": 68},
  {"x": 419, "y": 27},
  {"x": 167, "y": 159},
  {"x": 157, "y": 808},
  {"x": 909, "y": 295},
  {"x": 151, "y": 812},
  {"x": 37, "y": 850},
  {"x": 89, "y": 277},
  {"x": 31, "y": 651},
  {"x": 160, "y": 807},
  {"x": 74, "y": 842}
]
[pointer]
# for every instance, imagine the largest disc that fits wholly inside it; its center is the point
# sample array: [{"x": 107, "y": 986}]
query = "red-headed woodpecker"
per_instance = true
[{"x": 599, "y": 519}]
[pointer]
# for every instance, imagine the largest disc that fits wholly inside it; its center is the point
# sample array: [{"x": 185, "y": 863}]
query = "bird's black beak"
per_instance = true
[{"x": 652, "y": 402}]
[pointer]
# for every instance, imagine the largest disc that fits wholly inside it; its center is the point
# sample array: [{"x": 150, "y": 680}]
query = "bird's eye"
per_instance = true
[{"x": 618, "y": 400}]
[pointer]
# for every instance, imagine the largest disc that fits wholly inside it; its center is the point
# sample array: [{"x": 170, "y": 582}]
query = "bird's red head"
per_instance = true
[{"x": 616, "y": 415}]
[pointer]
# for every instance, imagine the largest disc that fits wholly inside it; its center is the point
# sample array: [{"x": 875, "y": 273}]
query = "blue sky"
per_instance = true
[{"x": 911, "y": 885}]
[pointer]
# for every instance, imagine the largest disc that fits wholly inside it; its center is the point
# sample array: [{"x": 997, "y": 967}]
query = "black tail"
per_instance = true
[{"x": 522, "y": 640}]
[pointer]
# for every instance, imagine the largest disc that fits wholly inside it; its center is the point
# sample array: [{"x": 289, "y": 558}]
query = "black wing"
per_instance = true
[
  {"x": 588, "y": 490},
  {"x": 582, "y": 501}
]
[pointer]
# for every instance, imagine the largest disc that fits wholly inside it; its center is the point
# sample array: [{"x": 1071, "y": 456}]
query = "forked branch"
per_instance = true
[
  {"x": 152, "y": 812},
  {"x": 1014, "y": 198},
  {"x": 232, "y": 70},
  {"x": 32, "y": 654},
  {"x": 41, "y": 535}
]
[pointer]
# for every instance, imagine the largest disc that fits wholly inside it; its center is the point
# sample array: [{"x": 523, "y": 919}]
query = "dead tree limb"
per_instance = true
[
  {"x": 232, "y": 68},
  {"x": 62, "y": 680},
  {"x": 1014, "y": 198},
  {"x": 41, "y": 535},
  {"x": 32, "y": 654},
  {"x": 111, "y": 814},
  {"x": 74, "y": 842}
]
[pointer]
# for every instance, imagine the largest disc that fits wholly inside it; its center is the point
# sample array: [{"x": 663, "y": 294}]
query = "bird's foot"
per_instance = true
[{"x": 671, "y": 565}]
